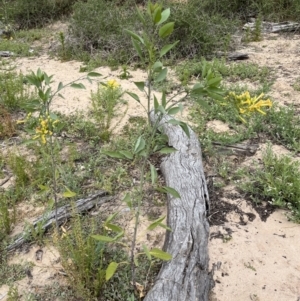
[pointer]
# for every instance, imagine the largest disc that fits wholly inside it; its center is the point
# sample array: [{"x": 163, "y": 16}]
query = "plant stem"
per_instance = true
[
  {"x": 53, "y": 167},
  {"x": 140, "y": 192}
]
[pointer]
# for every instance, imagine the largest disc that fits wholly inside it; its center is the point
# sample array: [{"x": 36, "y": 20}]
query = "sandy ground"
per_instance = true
[{"x": 260, "y": 260}]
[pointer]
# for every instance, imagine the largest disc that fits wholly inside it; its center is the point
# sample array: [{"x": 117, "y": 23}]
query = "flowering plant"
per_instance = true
[{"x": 246, "y": 105}]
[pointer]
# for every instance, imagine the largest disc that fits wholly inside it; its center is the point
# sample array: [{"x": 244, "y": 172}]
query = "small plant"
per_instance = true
[
  {"x": 246, "y": 105},
  {"x": 48, "y": 123},
  {"x": 125, "y": 74},
  {"x": 278, "y": 182},
  {"x": 257, "y": 36},
  {"x": 7, "y": 125},
  {"x": 13, "y": 93},
  {"x": 296, "y": 84},
  {"x": 13, "y": 293},
  {"x": 104, "y": 102},
  {"x": 7, "y": 216}
]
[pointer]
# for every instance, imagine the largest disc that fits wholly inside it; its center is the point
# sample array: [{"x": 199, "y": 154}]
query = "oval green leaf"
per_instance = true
[
  {"x": 160, "y": 254},
  {"x": 111, "y": 270},
  {"x": 167, "y": 48},
  {"x": 166, "y": 30},
  {"x": 162, "y": 75}
]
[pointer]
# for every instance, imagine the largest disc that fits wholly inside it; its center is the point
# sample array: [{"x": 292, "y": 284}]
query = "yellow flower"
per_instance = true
[
  {"x": 45, "y": 128},
  {"x": 247, "y": 105},
  {"x": 112, "y": 83}
]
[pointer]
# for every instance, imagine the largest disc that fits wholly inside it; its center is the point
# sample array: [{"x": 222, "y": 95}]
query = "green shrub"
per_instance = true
[
  {"x": 277, "y": 182},
  {"x": 271, "y": 10},
  {"x": 99, "y": 24},
  {"x": 35, "y": 13},
  {"x": 200, "y": 33},
  {"x": 13, "y": 93}
]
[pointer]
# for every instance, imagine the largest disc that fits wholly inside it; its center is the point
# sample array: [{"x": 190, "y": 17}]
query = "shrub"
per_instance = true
[
  {"x": 271, "y": 10},
  {"x": 200, "y": 32},
  {"x": 35, "y": 13},
  {"x": 98, "y": 24},
  {"x": 13, "y": 93}
]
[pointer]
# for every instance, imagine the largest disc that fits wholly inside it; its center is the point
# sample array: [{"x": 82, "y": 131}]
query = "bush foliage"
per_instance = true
[{"x": 34, "y": 13}]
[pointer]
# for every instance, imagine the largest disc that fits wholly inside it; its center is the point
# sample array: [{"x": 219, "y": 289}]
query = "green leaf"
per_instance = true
[
  {"x": 174, "y": 122},
  {"x": 114, "y": 228},
  {"x": 47, "y": 78},
  {"x": 117, "y": 155},
  {"x": 60, "y": 86},
  {"x": 156, "y": 104},
  {"x": 203, "y": 103},
  {"x": 153, "y": 174},
  {"x": 43, "y": 187},
  {"x": 128, "y": 200},
  {"x": 157, "y": 66},
  {"x": 78, "y": 86},
  {"x": 170, "y": 190},
  {"x": 42, "y": 95},
  {"x": 156, "y": 16},
  {"x": 167, "y": 48},
  {"x": 111, "y": 270},
  {"x": 146, "y": 250},
  {"x": 173, "y": 110},
  {"x": 94, "y": 74},
  {"x": 137, "y": 48},
  {"x": 68, "y": 194},
  {"x": 162, "y": 75},
  {"x": 167, "y": 150},
  {"x": 127, "y": 154},
  {"x": 161, "y": 109},
  {"x": 111, "y": 217},
  {"x": 166, "y": 30},
  {"x": 185, "y": 128},
  {"x": 136, "y": 261},
  {"x": 140, "y": 16},
  {"x": 60, "y": 96},
  {"x": 139, "y": 145},
  {"x": 165, "y": 227},
  {"x": 214, "y": 82},
  {"x": 140, "y": 85},
  {"x": 197, "y": 89},
  {"x": 135, "y": 36},
  {"x": 164, "y": 16},
  {"x": 133, "y": 95},
  {"x": 155, "y": 252},
  {"x": 103, "y": 238},
  {"x": 156, "y": 223},
  {"x": 215, "y": 96},
  {"x": 164, "y": 99}
]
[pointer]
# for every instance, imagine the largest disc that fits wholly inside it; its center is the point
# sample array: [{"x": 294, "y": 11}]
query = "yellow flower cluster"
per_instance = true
[
  {"x": 247, "y": 105},
  {"x": 45, "y": 128},
  {"x": 112, "y": 83}
]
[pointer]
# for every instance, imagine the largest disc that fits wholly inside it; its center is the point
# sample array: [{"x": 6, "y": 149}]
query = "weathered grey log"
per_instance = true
[
  {"x": 186, "y": 277},
  {"x": 6, "y": 53},
  {"x": 47, "y": 220},
  {"x": 244, "y": 148},
  {"x": 273, "y": 27}
]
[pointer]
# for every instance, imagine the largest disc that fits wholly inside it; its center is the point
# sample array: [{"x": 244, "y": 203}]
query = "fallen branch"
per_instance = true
[
  {"x": 186, "y": 277},
  {"x": 63, "y": 213}
]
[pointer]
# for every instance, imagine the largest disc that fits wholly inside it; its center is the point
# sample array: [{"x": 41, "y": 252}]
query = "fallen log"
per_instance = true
[
  {"x": 186, "y": 277},
  {"x": 47, "y": 220}
]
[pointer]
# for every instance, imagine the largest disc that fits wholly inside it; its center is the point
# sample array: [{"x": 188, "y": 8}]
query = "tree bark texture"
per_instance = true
[{"x": 186, "y": 277}]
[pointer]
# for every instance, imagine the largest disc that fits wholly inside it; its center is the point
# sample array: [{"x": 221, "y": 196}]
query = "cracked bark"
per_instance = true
[{"x": 186, "y": 277}]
